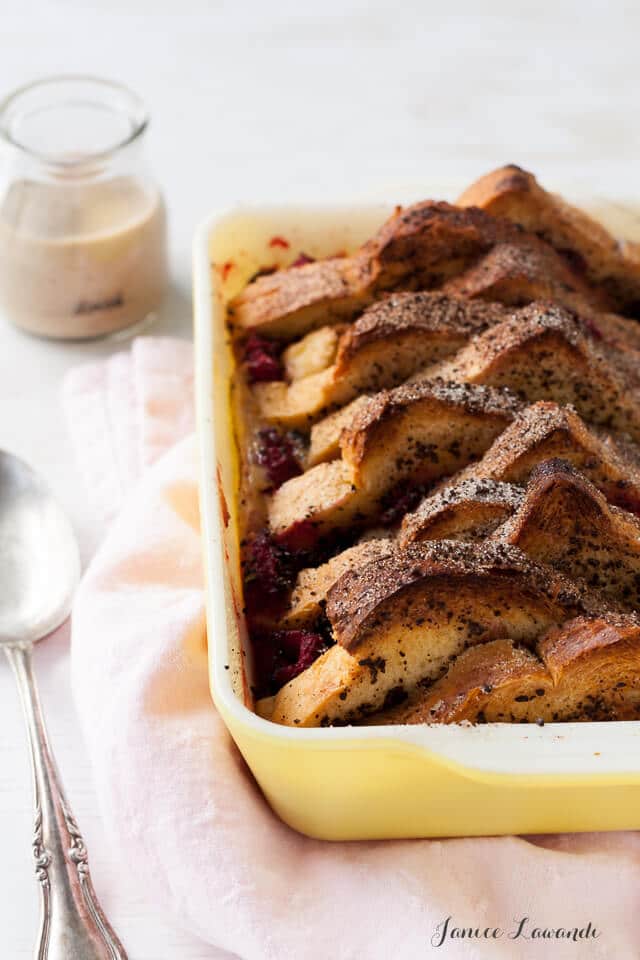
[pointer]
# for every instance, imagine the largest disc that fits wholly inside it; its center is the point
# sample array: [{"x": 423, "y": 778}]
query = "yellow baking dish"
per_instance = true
[{"x": 372, "y": 782}]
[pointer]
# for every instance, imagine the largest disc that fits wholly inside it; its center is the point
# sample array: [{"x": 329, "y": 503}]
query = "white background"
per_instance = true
[{"x": 266, "y": 100}]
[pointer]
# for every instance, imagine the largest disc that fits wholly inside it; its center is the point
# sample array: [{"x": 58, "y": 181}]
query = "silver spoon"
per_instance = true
[{"x": 39, "y": 570}]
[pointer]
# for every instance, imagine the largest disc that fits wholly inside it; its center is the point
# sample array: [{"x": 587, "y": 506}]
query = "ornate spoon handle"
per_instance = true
[{"x": 72, "y": 924}]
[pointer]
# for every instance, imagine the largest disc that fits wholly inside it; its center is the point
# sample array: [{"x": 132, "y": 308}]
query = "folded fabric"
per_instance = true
[
  {"x": 180, "y": 802},
  {"x": 124, "y": 413}
]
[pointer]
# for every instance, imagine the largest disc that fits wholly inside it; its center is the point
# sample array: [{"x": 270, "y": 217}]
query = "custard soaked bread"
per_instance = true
[
  {"x": 390, "y": 341},
  {"x": 438, "y": 443},
  {"x": 414, "y": 434},
  {"x": 403, "y": 336},
  {"x": 515, "y": 194},
  {"x": 546, "y": 430},
  {"x": 543, "y": 353},
  {"x": 559, "y": 519},
  {"x": 419, "y": 248},
  {"x": 584, "y": 670},
  {"x": 398, "y": 622}
]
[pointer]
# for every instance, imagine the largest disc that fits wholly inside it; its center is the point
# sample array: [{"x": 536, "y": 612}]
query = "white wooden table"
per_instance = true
[{"x": 271, "y": 101}]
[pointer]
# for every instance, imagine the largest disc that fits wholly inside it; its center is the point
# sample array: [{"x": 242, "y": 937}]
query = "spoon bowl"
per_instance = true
[{"x": 39, "y": 558}]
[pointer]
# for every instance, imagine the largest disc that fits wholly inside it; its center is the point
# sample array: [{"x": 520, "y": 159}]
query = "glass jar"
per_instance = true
[{"x": 82, "y": 226}]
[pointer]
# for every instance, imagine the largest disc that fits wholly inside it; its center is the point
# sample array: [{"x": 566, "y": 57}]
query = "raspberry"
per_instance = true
[
  {"x": 279, "y": 242},
  {"x": 277, "y": 453},
  {"x": 280, "y": 656},
  {"x": 261, "y": 358},
  {"x": 298, "y": 650},
  {"x": 268, "y": 575},
  {"x": 301, "y": 259}
]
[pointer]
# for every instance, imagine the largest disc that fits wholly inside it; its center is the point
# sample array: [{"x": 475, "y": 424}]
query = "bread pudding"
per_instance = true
[{"x": 439, "y": 440}]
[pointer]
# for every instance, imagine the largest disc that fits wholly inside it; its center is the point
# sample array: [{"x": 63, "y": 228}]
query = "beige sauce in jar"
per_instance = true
[{"x": 81, "y": 259}]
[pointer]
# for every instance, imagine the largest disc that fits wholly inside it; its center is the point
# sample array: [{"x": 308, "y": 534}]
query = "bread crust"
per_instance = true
[
  {"x": 545, "y": 430},
  {"x": 588, "y": 669},
  {"x": 565, "y": 521},
  {"x": 543, "y": 353},
  {"x": 394, "y": 338},
  {"x": 515, "y": 194},
  {"x": 479, "y": 354},
  {"x": 526, "y": 269},
  {"x": 399, "y": 620},
  {"x": 415, "y": 433},
  {"x": 418, "y": 248}
]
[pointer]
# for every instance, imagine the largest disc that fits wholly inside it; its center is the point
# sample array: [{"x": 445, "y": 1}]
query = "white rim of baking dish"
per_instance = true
[{"x": 560, "y": 751}]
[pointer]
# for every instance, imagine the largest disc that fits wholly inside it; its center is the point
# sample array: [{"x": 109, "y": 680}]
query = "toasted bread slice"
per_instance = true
[
  {"x": 312, "y": 585},
  {"x": 545, "y": 430},
  {"x": 514, "y": 194},
  {"x": 560, "y": 519},
  {"x": 312, "y": 353},
  {"x": 418, "y": 433},
  {"x": 390, "y": 341},
  {"x": 324, "y": 439},
  {"x": 399, "y": 620},
  {"x": 296, "y": 405},
  {"x": 416, "y": 249},
  {"x": 522, "y": 270},
  {"x": 542, "y": 353},
  {"x": 617, "y": 350},
  {"x": 588, "y": 669},
  {"x": 566, "y": 522},
  {"x": 467, "y": 510}
]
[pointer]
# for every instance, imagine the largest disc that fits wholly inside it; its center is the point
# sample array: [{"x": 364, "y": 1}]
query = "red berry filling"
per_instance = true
[
  {"x": 302, "y": 259},
  {"x": 278, "y": 453},
  {"x": 282, "y": 655},
  {"x": 269, "y": 570},
  {"x": 298, "y": 650},
  {"x": 268, "y": 575},
  {"x": 279, "y": 242},
  {"x": 261, "y": 358}
]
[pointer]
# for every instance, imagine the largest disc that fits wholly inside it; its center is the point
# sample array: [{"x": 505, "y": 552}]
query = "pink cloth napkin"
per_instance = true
[{"x": 176, "y": 794}]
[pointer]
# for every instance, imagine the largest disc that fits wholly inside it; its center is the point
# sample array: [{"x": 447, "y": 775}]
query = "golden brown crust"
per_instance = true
[
  {"x": 543, "y": 353},
  {"x": 416, "y": 316},
  {"x": 514, "y": 194},
  {"x": 400, "y": 620},
  {"x": 523, "y": 270},
  {"x": 588, "y": 669},
  {"x": 467, "y": 510},
  {"x": 312, "y": 585},
  {"x": 418, "y": 434},
  {"x": 291, "y": 302},
  {"x": 394, "y": 338},
  {"x": 420, "y": 247},
  {"x": 482, "y": 677},
  {"x": 545, "y": 430},
  {"x": 392, "y": 412},
  {"x": 355, "y": 603},
  {"x": 564, "y": 521},
  {"x": 560, "y": 519}
]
